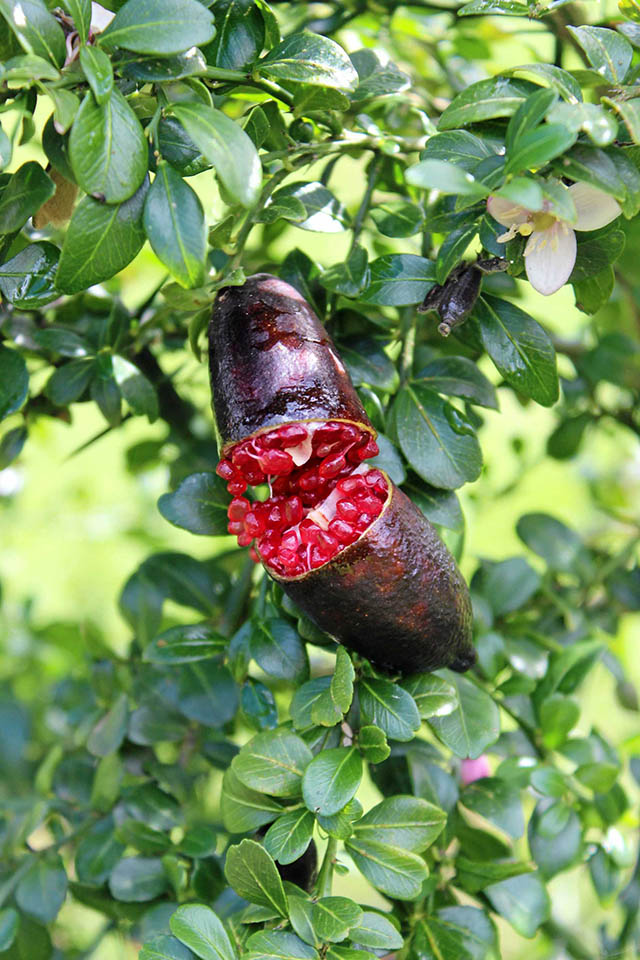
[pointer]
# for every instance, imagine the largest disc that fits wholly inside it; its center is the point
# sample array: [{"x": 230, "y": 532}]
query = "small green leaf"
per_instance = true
[
  {"x": 409, "y": 823},
  {"x": 498, "y": 97},
  {"x": 225, "y": 145},
  {"x": 376, "y": 931},
  {"x": 97, "y": 69},
  {"x": 186, "y": 643},
  {"x": 273, "y": 762},
  {"x": 155, "y": 26},
  {"x": 244, "y": 809},
  {"x": 397, "y": 218},
  {"x": 523, "y": 901},
  {"x": 520, "y": 348},
  {"x": 253, "y": 874},
  {"x": 109, "y": 174},
  {"x": 100, "y": 241},
  {"x": 199, "y": 505},
  {"x": 139, "y": 392},
  {"x": 289, "y": 836},
  {"x": 389, "y": 707},
  {"x": 398, "y": 873},
  {"x": 138, "y": 879},
  {"x": 38, "y": 32},
  {"x": 309, "y": 58},
  {"x": 9, "y": 920},
  {"x": 98, "y": 852},
  {"x": 445, "y": 177},
  {"x": 278, "y": 945},
  {"x": 331, "y": 780},
  {"x": 108, "y": 733},
  {"x": 458, "y": 377},
  {"x": 24, "y": 194},
  {"x": 80, "y": 10},
  {"x": 324, "y": 212},
  {"x": 496, "y": 801},
  {"x": 333, "y": 918},
  {"x": 433, "y": 696},
  {"x": 174, "y": 223},
  {"x": 200, "y": 929},
  {"x": 14, "y": 381},
  {"x": 559, "y": 546},
  {"x": 69, "y": 382},
  {"x": 436, "y": 438},
  {"x": 608, "y": 52},
  {"x": 43, "y": 888},
  {"x": 165, "y": 947},
  {"x": 398, "y": 280},
  {"x": 473, "y": 725},
  {"x": 276, "y": 646},
  {"x": 373, "y": 743}
]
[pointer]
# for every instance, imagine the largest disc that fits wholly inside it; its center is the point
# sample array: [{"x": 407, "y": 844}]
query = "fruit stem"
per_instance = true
[{"x": 325, "y": 877}]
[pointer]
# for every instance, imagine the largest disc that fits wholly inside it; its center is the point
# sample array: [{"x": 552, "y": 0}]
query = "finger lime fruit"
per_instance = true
[{"x": 349, "y": 548}]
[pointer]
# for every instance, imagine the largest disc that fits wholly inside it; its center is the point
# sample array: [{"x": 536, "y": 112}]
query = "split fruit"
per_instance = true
[{"x": 349, "y": 548}]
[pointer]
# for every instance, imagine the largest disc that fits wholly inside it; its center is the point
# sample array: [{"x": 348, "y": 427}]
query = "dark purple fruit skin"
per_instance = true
[
  {"x": 395, "y": 596},
  {"x": 272, "y": 362}
]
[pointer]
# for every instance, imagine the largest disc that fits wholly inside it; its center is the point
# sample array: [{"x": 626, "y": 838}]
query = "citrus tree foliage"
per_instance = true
[{"x": 226, "y": 690}]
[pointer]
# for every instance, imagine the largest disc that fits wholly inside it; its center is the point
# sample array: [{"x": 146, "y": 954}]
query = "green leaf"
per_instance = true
[
  {"x": 599, "y": 777},
  {"x": 97, "y": 69},
  {"x": 398, "y": 873},
  {"x": 324, "y": 212},
  {"x": 594, "y": 166},
  {"x": 199, "y": 928},
  {"x": 473, "y": 725},
  {"x": 98, "y": 852},
  {"x": 199, "y": 505},
  {"x": 253, "y": 874},
  {"x": 278, "y": 649},
  {"x": 108, "y": 733},
  {"x": 476, "y": 875},
  {"x": 165, "y": 947},
  {"x": 591, "y": 118},
  {"x": 508, "y": 584},
  {"x": 464, "y": 149},
  {"x": 139, "y": 392},
  {"x": 389, "y": 707},
  {"x": 436, "y": 438},
  {"x": 523, "y": 901},
  {"x": 259, "y": 705},
  {"x": 445, "y": 177},
  {"x": 498, "y": 802},
  {"x": 537, "y": 147},
  {"x": 397, "y": 218},
  {"x": 368, "y": 363},
  {"x": 11, "y": 445},
  {"x": 206, "y": 693},
  {"x": 328, "y": 701},
  {"x": 333, "y": 918},
  {"x": 108, "y": 173},
  {"x": 608, "y": 52},
  {"x": 498, "y": 97},
  {"x": 273, "y": 763},
  {"x": 225, "y": 145},
  {"x": 277, "y": 945},
  {"x": 138, "y": 879},
  {"x": 240, "y": 35},
  {"x": 340, "y": 825},
  {"x": 69, "y": 382},
  {"x": 37, "y": 31},
  {"x": 452, "y": 250},
  {"x": 9, "y": 920},
  {"x": 174, "y": 223},
  {"x": 453, "y": 933},
  {"x": 554, "y": 541},
  {"x": 410, "y": 823},
  {"x": 629, "y": 113},
  {"x": 186, "y": 643},
  {"x": 398, "y": 280},
  {"x": 458, "y": 377},
  {"x": 350, "y": 277},
  {"x": 596, "y": 253},
  {"x": 43, "y": 888},
  {"x": 26, "y": 191},
  {"x": 548, "y": 75},
  {"x": 309, "y": 58},
  {"x": 100, "y": 241},
  {"x": 432, "y": 695},
  {"x": 244, "y": 809},
  {"x": 143, "y": 838},
  {"x": 527, "y": 117},
  {"x": 331, "y": 780},
  {"x": 289, "y": 836},
  {"x": 558, "y": 717},
  {"x": 567, "y": 669},
  {"x": 376, "y": 931},
  {"x": 80, "y": 11},
  {"x": 555, "y": 837},
  {"x": 520, "y": 348},
  {"x": 157, "y": 26},
  {"x": 14, "y": 381},
  {"x": 373, "y": 743}
]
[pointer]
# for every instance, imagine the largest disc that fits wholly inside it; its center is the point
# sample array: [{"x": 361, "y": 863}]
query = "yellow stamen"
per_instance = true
[{"x": 542, "y": 221}]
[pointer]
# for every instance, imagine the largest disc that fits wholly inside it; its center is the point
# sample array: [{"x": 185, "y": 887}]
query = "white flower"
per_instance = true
[{"x": 550, "y": 253}]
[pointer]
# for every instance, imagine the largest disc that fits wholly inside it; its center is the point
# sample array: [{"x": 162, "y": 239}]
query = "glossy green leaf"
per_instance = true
[
  {"x": 559, "y": 546},
  {"x": 473, "y": 725},
  {"x": 108, "y": 174},
  {"x": 100, "y": 241},
  {"x": 520, "y": 348},
  {"x": 397, "y": 218},
  {"x": 432, "y": 695},
  {"x": 537, "y": 147},
  {"x": 98, "y": 71},
  {"x": 108, "y": 733},
  {"x": 200, "y": 929},
  {"x": 165, "y": 947},
  {"x": 14, "y": 381},
  {"x": 309, "y": 58},
  {"x": 556, "y": 844},
  {"x": 273, "y": 763},
  {"x": 376, "y": 931},
  {"x": 523, "y": 901},
  {"x": 389, "y": 707},
  {"x": 253, "y": 874},
  {"x": 324, "y": 212},
  {"x": 333, "y": 918},
  {"x": 331, "y": 780},
  {"x": 139, "y": 392},
  {"x": 289, "y": 836},
  {"x": 409, "y": 823},
  {"x": 80, "y": 11},
  {"x": 225, "y": 145},
  {"x": 278, "y": 945},
  {"x": 157, "y": 26},
  {"x": 278, "y": 649},
  {"x": 68, "y": 382},
  {"x": 186, "y": 643},
  {"x": 398, "y": 873},
  {"x": 174, "y": 223},
  {"x": 38, "y": 32},
  {"x": 496, "y": 801},
  {"x": 398, "y": 280},
  {"x": 608, "y": 52},
  {"x": 98, "y": 852},
  {"x": 43, "y": 888},
  {"x": 240, "y": 34},
  {"x": 199, "y": 505},
  {"x": 26, "y": 191},
  {"x": 458, "y": 377},
  {"x": 445, "y": 177},
  {"x": 244, "y": 809},
  {"x": 485, "y": 100},
  {"x": 436, "y": 438}
]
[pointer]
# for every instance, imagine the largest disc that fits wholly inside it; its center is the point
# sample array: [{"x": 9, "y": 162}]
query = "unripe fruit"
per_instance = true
[{"x": 352, "y": 551}]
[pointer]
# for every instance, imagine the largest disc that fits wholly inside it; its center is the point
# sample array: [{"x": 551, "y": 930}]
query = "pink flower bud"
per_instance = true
[{"x": 471, "y": 770}]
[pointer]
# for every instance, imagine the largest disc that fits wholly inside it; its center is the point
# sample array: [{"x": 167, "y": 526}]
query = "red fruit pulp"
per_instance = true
[{"x": 322, "y": 495}]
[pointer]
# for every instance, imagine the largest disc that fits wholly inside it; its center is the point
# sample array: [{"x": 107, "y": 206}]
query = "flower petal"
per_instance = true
[
  {"x": 594, "y": 207},
  {"x": 506, "y": 212},
  {"x": 549, "y": 257}
]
